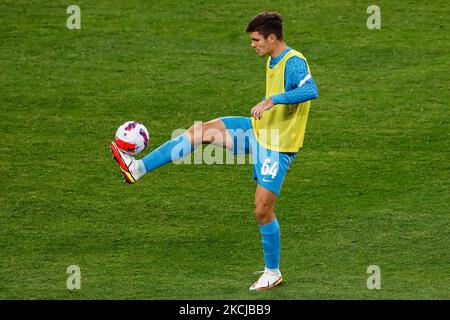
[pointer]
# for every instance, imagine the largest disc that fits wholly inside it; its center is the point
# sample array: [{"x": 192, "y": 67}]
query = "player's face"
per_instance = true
[{"x": 262, "y": 46}]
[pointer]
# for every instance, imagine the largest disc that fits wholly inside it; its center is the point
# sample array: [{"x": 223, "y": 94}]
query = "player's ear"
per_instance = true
[{"x": 272, "y": 38}]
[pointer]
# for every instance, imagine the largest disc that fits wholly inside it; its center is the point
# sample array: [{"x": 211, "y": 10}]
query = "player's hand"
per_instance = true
[{"x": 257, "y": 111}]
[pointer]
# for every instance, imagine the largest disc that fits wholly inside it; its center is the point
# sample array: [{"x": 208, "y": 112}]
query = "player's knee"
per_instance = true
[
  {"x": 210, "y": 132},
  {"x": 206, "y": 138},
  {"x": 263, "y": 211},
  {"x": 204, "y": 133},
  {"x": 195, "y": 133}
]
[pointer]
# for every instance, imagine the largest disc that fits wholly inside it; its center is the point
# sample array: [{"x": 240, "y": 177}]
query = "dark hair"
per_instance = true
[{"x": 267, "y": 23}]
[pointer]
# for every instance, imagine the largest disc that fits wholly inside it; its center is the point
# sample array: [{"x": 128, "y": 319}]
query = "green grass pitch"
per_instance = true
[{"x": 370, "y": 186}]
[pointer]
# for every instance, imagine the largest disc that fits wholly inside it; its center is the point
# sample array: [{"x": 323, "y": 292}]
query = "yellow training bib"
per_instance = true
[{"x": 281, "y": 128}]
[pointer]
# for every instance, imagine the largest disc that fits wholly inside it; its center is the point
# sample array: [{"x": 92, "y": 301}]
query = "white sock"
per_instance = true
[
  {"x": 138, "y": 169},
  {"x": 273, "y": 271}
]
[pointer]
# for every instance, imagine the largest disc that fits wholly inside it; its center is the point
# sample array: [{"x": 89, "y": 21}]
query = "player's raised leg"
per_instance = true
[
  {"x": 211, "y": 132},
  {"x": 270, "y": 234}
]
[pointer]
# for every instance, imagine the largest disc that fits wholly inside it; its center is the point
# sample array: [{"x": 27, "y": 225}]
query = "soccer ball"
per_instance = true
[{"x": 132, "y": 137}]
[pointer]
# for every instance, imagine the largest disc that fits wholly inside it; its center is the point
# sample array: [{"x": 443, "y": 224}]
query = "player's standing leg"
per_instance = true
[
  {"x": 211, "y": 132},
  {"x": 270, "y": 234}
]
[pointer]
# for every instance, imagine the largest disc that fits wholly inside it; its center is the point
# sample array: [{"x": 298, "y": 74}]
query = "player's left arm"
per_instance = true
[
  {"x": 299, "y": 87},
  {"x": 299, "y": 84}
]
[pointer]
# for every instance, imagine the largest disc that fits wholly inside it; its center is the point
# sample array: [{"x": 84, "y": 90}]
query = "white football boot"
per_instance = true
[{"x": 268, "y": 280}]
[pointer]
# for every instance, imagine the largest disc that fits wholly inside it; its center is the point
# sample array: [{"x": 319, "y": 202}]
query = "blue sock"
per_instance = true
[
  {"x": 172, "y": 150},
  {"x": 271, "y": 244}
]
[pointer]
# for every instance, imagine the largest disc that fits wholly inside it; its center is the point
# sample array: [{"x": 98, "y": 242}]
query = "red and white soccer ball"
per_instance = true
[{"x": 132, "y": 137}]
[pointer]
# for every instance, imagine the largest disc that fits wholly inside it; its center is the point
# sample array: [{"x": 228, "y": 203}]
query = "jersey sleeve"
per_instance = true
[{"x": 299, "y": 84}]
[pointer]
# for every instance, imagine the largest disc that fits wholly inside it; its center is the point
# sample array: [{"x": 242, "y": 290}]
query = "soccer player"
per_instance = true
[{"x": 273, "y": 134}]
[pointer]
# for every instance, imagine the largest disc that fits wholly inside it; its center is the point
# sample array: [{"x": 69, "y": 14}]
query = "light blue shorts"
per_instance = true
[{"x": 269, "y": 167}]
